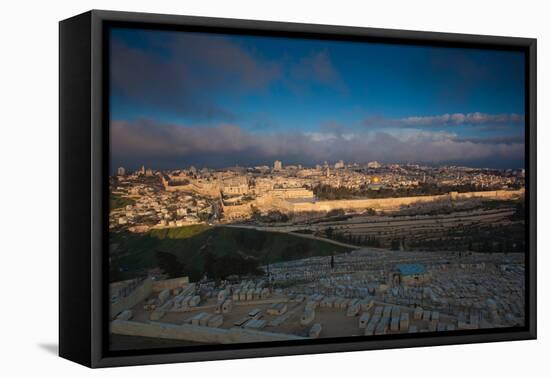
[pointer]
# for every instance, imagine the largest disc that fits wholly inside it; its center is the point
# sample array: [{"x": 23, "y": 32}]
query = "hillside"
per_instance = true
[{"x": 216, "y": 251}]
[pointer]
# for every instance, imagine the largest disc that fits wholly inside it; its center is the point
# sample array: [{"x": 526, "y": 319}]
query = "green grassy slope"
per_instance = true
[
  {"x": 217, "y": 251},
  {"x": 116, "y": 202}
]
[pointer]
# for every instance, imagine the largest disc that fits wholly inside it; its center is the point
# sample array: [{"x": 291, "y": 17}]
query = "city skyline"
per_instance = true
[
  {"x": 219, "y": 101},
  {"x": 397, "y": 229},
  {"x": 337, "y": 164}
]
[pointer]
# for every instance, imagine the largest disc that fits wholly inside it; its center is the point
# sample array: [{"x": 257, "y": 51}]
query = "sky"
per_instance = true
[{"x": 211, "y": 100}]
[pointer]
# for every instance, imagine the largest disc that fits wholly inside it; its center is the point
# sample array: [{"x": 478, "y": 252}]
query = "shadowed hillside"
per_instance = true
[{"x": 216, "y": 251}]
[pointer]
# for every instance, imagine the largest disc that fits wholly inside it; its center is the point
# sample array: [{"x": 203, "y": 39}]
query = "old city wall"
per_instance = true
[
  {"x": 498, "y": 194},
  {"x": 275, "y": 199},
  {"x": 290, "y": 193},
  {"x": 136, "y": 296},
  {"x": 266, "y": 203},
  {"x": 236, "y": 211},
  {"x": 195, "y": 333},
  {"x": 389, "y": 204},
  {"x": 212, "y": 190}
]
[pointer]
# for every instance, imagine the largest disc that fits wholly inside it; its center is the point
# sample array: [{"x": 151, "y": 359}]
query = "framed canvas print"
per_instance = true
[{"x": 233, "y": 188}]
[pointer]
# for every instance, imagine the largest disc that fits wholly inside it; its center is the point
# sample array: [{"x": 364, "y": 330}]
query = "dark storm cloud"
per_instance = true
[
  {"x": 466, "y": 73},
  {"x": 183, "y": 74},
  {"x": 174, "y": 146},
  {"x": 314, "y": 68},
  {"x": 143, "y": 81}
]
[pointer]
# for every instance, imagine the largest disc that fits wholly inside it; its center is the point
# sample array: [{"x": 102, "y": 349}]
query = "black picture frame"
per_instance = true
[{"x": 83, "y": 196}]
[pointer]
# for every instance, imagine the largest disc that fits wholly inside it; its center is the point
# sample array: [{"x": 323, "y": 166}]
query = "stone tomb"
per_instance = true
[
  {"x": 315, "y": 330},
  {"x": 307, "y": 317},
  {"x": 277, "y": 309},
  {"x": 363, "y": 320},
  {"x": 404, "y": 322},
  {"x": 418, "y": 313},
  {"x": 215, "y": 321},
  {"x": 227, "y": 306}
]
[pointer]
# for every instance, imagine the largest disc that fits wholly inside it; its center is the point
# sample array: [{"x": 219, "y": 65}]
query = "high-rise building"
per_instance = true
[
  {"x": 278, "y": 165},
  {"x": 121, "y": 171},
  {"x": 142, "y": 170},
  {"x": 339, "y": 164}
]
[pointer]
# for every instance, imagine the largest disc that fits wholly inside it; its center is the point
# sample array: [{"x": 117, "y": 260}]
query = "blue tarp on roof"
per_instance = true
[{"x": 410, "y": 269}]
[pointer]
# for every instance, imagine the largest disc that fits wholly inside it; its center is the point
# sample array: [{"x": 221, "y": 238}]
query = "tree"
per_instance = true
[
  {"x": 395, "y": 245},
  {"x": 169, "y": 263}
]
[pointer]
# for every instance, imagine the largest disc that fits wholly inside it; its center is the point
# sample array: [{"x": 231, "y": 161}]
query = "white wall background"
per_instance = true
[{"x": 29, "y": 186}]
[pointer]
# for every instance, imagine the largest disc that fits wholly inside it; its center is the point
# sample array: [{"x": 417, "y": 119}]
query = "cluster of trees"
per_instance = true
[
  {"x": 220, "y": 267},
  {"x": 204, "y": 216},
  {"x": 272, "y": 216},
  {"x": 116, "y": 201},
  {"x": 361, "y": 240},
  {"x": 250, "y": 241},
  {"x": 495, "y": 239},
  {"x": 214, "y": 266},
  {"x": 169, "y": 264},
  {"x": 178, "y": 182},
  {"x": 328, "y": 192},
  {"x": 397, "y": 244}
]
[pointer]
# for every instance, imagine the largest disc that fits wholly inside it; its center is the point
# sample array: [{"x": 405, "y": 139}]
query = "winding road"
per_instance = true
[{"x": 290, "y": 230}]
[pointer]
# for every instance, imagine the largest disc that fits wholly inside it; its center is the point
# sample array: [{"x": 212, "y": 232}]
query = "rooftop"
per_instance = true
[{"x": 410, "y": 269}]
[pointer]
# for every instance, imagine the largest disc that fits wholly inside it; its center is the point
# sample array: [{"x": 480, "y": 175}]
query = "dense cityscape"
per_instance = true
[
  {"x": 270, "y": 188},
  {"x": 265, "y": 253},
  {"x": 157, "y": 199}
]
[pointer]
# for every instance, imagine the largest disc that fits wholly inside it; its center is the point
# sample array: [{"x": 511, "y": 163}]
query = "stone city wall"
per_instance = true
[
  {"x": 236, "y": 211},
  {"x": 267, "y": 202},
  {"x": 290, "y": 193},
  {"x": 194, "y": 333},
  {"x": 211, "y": 190},
  {"x": 139, "y": 294},
  {"x": 497, "y": 194},
  {"x": 392, "y": 204}
]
